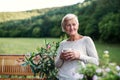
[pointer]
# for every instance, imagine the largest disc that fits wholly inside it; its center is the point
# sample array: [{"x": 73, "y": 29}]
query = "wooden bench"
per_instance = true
[
  {"x": 18, "y": 79},
  {"x": 10, "y": 66}
]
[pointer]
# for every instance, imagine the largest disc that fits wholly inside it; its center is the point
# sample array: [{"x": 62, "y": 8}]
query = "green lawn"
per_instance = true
[
  {"x": 114, "y": 51},
  {"x": 24, "y": 45}
]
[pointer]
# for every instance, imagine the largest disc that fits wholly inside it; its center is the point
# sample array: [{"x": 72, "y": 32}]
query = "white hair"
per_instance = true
[{"x": 66, "y": 18}]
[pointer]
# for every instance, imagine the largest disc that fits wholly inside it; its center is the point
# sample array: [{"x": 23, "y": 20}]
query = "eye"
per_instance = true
[
  {"x": 73, "y": 24},
  {"x": 68, "y": 25}
]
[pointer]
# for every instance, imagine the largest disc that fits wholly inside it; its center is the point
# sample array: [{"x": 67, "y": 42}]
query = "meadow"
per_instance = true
[{"x": 24, "y": 45}]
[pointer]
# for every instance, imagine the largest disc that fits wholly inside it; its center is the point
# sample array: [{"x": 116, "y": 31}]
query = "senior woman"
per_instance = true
[{"x": 76, "y": 48}]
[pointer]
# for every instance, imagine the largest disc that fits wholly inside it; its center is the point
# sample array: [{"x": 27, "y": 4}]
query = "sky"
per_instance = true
[{"x": 23, "y": 5}]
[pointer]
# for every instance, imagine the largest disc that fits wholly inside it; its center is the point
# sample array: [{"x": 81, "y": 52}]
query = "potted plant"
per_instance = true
[
  {"x": 42, "y": 61},
  {"x": 105, "y": 71}
]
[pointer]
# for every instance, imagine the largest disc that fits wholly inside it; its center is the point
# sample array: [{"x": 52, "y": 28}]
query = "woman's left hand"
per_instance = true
[{"x": 73, "y": 55}]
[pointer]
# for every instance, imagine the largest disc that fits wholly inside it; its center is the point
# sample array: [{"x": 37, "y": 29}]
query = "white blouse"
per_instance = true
[{"x": 88, "y": 54}]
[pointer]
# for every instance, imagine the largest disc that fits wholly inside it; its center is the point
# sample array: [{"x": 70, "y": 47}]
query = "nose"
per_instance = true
[{"x": 71, "y": 26}]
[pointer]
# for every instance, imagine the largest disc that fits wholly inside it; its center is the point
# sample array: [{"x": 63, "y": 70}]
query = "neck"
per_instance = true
[{"x": 75, "y": 37}]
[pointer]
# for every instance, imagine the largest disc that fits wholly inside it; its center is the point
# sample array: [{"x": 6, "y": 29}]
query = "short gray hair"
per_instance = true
[{"x": 68, "y": 17}]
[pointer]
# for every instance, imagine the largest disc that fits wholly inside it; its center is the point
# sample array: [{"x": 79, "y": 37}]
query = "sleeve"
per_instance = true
[
  {"x": 58, "y": 61},
  {"x": 92, "y": 55}
]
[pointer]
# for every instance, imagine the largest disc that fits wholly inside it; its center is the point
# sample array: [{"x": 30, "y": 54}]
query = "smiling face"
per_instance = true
[{"x": 71, "y": 27}]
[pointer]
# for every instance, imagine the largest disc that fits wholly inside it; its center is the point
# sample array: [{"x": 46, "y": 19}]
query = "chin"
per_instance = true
[{"x": 72, "y": 34}]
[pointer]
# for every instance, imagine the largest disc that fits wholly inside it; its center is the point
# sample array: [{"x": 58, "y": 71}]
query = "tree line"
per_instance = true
[{"x": 99, "y": 19}]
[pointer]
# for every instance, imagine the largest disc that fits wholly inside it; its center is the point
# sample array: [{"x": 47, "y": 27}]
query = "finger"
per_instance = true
[
  {"x": 70, "y": 57},
  {"x": 66, "y": 54},
  {"x": 67, "y": 57}
]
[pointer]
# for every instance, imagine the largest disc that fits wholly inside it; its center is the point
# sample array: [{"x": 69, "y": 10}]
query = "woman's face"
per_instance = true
[{"x": 71, "y": 27}]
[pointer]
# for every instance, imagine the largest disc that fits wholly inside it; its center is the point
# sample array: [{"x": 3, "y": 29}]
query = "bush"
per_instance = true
[
  {"x": 105, "y": 71},
  {"x": 42, "y": 61},
  {"x": 109, "y": 28}
]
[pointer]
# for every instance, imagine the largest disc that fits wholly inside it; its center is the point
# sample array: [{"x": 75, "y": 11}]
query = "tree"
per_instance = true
[
  {"x": 110, "y": 28},
  {"x": 36, "y": 32}
]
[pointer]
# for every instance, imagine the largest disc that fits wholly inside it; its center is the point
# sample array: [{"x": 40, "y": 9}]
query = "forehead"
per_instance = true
[{"x": 70, "y": 20}]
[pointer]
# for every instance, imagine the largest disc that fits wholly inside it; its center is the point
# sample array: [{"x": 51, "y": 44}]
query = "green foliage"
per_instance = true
[
  {"x": 42, "y": 61},
  {"x": 36, "y": 32},
  {"x": 105, "y": 71},
  {"x": 92, "y": 29},
  {"x": 93, "y": 16},
  {"x": 109, "y": 28},
  {"x": 8, "y": 16},
  {"x": 89, "y": 70}
]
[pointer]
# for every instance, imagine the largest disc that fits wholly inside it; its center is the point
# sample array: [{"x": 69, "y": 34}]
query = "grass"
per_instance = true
[
  {"x": 114, "y": 51},
  {"x": 24, "y": 45}
]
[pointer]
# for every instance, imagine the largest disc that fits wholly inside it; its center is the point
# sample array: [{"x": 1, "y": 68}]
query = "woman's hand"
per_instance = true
[{"x": 70, "y": 55}]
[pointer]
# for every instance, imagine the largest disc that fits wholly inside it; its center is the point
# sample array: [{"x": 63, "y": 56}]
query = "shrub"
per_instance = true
[
  {"x": 42, "y": 61},
  {"x": 105, "y": 71}
]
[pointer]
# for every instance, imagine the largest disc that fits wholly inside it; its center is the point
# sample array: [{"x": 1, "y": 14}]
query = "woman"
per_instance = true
[{"x": 76, "y": 48}]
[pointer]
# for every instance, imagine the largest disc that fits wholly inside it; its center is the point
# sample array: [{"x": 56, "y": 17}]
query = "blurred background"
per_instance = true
[{"x": 24, "y": 29}]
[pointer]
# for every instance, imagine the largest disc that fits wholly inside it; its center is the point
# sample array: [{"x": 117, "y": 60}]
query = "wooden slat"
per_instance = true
[
  {"x": 9, "y": 66},
  {"x": 15, "y": 70},
  {"x": 19, "y": 79}
]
